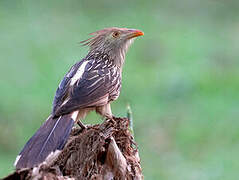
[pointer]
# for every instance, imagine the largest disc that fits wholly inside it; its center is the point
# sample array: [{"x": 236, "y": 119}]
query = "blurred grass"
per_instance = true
[{"x": 181, "y": 78}]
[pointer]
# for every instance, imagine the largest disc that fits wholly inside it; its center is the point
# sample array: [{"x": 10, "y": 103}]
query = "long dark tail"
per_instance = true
[{"x": 51, "y": 136}]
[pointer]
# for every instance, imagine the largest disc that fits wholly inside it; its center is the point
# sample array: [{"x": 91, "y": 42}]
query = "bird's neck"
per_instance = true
[
  {"x": 117, "y": 57},
  {"x": 116, "y": 53}
]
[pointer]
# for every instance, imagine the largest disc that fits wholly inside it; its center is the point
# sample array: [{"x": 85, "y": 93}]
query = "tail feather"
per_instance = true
[{"x": 51, "y": 136}]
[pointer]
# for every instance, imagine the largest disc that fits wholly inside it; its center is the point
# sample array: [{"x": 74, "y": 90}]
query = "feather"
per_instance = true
[
  {"x": 64, "y": 86},
  {"x": 51, "y": 136},
  {"x": 94, "y": 87}
]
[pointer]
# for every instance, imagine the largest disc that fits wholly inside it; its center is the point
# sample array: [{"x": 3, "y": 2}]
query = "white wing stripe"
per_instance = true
[
  {"x": 78, "y": 73},
  {"x": 74, "y": 115},
  {"x": 17, "y": 159}
]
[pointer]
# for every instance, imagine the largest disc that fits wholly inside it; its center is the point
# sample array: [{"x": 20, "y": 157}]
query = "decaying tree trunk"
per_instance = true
[{"x": 100, "y": 152}]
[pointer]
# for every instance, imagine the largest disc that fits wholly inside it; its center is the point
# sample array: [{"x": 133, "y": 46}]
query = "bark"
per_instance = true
[{"x": 99, "y": 152}]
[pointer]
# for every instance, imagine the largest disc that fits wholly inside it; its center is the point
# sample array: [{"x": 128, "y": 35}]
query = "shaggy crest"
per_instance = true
[
  {"x": 113, "y": 41},
  {"x": 97, "y": 35}
]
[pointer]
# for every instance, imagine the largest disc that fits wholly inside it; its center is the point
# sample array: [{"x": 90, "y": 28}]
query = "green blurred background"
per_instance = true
[{"x": 181, "y": 79}]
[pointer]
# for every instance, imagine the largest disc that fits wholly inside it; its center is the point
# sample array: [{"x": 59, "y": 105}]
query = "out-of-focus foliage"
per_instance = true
[{"x": 181, "y": 79}]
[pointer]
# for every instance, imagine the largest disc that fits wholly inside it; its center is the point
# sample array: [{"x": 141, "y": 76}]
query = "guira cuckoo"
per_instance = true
[{"x": 90, "y": 84}]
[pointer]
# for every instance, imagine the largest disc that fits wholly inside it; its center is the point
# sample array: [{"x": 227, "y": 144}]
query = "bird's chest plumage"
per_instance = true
[
  {"x": 92, "y": 82},
  {"x": 101, "y": 68}
]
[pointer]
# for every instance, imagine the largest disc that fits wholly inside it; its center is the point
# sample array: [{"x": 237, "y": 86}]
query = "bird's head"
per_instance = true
[{"x": 113, "y": 41}]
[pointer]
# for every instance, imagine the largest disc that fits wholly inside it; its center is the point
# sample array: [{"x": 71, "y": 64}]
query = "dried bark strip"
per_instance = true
[{"x": 100, "y": 152}]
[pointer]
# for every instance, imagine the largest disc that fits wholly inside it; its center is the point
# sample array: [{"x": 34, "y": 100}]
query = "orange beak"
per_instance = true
[{"x": 135, "y": 33}]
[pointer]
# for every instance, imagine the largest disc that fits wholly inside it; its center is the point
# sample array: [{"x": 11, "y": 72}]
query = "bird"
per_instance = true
[{"x": 91, "y": 84}]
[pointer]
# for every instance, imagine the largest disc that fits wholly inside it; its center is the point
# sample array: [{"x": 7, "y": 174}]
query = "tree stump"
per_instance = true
[{"x": 104, "y": 151}]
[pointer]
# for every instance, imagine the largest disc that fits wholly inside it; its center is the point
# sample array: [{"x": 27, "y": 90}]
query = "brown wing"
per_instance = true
[
  {"x": 63, "y": 88},
  {"x": 99, "y": 84}
]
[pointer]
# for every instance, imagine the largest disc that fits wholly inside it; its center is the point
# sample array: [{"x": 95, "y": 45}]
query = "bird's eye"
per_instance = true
[{"x": 115, "y": 34}]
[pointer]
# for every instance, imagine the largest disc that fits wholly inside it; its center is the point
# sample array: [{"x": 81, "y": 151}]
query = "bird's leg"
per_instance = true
[
  {"x": 80, "y": 116},
  {"x": 81, "y": 125},
  {"x": 105, "y": 111}
]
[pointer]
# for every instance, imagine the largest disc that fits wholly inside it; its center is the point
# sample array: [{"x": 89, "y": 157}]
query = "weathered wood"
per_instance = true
[{"x": 100, "y": 152}]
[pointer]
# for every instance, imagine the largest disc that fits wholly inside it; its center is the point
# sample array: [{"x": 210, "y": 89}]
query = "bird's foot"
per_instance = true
[{"x": 82, "y": 125}]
